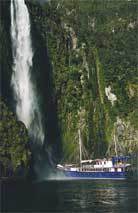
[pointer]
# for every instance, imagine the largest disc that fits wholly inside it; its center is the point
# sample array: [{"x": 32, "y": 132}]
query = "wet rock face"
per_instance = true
[
  {"x": 126, "y": 135},
  {"x": 111, "y": 96},
  {"x": 92, "y": 52}
]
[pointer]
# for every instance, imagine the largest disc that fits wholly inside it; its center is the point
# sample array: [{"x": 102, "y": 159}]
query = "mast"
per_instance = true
[
  {"x": 115, "y": 141},
  {"x": 80, "y": 146}
]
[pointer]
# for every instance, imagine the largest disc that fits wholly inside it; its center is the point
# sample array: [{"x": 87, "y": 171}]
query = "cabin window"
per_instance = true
[{"x": 106, "y": 169}]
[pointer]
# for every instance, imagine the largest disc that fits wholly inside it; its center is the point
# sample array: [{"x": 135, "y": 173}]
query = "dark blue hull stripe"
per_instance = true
[{"x": 96, "y": 175}]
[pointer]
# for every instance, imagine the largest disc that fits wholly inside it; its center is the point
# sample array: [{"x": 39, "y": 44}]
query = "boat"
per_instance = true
[{"x": 117, "y": 167}]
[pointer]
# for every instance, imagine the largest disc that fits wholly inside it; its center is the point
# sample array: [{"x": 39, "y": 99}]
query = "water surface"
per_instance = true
[{"x": 119, "y": 196}]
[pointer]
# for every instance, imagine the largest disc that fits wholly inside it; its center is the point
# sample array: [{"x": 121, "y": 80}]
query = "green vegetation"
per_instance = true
[
  {"x": 91, "y": 45},
  {"x": 14, "y": 144}
]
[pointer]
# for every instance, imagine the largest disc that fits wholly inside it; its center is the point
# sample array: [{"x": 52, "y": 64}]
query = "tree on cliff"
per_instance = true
[{"x": 14, "y": 144}]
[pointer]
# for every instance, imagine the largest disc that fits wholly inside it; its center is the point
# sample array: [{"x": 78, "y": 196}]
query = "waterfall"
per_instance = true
[{"x": 27, "y": 108}]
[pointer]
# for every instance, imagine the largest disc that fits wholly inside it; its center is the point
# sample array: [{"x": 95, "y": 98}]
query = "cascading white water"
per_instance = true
[{"x": 24, "y": 91}]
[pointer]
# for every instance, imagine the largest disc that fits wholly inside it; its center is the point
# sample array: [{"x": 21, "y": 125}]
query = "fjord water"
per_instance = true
[{"x": 68, "y": 196}]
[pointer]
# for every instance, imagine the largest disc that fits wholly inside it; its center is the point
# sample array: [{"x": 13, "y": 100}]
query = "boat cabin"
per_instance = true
[
  {"x": 114, "y": 164},
  {"x": 106, "y": 165}
]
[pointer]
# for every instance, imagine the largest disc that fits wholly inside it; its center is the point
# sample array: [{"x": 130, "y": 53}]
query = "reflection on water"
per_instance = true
[{"x": 71, "y": 196}]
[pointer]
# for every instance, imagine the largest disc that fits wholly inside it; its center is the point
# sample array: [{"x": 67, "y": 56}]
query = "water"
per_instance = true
[
  {"x": 68, "y": 196},
  {"x": 27, "y": 108}
]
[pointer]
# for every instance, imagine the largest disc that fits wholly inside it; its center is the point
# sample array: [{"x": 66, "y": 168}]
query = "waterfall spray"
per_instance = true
[{"x": 27, "y": 108}]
